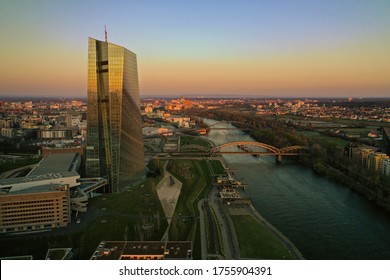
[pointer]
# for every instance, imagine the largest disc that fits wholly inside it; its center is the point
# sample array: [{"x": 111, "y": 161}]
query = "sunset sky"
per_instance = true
[{"x": 297, "y": 48}]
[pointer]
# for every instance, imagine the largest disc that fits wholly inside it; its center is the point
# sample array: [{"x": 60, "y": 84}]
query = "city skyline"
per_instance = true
[{"x": 254, "y": 48}]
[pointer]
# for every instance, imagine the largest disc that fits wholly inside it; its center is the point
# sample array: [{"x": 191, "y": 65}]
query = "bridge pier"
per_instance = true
[{"x": 278, "y": 159}]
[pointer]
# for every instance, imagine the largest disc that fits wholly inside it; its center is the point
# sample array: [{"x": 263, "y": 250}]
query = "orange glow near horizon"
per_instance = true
[
  {"x": 326, "y": 48},
  {"x": 347, "y": 70},
  {"x": 360, "y": 69}
]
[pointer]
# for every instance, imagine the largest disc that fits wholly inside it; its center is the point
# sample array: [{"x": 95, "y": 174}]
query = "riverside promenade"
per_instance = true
[{"x": 230, "y": 244}]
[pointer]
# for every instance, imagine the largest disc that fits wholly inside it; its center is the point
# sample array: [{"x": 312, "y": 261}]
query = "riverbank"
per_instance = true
[{"x": 271, "y": 243}]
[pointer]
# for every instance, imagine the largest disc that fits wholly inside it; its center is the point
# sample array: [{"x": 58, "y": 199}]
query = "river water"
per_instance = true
[{"x": 323, "y": 219}]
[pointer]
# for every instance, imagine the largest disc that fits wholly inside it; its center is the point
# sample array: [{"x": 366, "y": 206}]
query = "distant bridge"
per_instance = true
[
  {"x": 238, "y": 147},
  {"x": 259, "y": 149}
]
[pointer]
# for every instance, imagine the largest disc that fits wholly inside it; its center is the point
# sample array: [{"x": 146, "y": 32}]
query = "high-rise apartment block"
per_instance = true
[
  {"x": 114, "y": 146},
  {"x": 386, "y": 140}
]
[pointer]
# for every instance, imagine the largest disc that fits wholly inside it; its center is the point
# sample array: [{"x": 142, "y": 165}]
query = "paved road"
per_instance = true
[
  {"x": 202, "y": 230},
  {"x": 227, "y": 236}
]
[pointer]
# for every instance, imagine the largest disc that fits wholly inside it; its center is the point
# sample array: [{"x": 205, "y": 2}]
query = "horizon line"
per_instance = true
[{"x": 205, "y": 96}]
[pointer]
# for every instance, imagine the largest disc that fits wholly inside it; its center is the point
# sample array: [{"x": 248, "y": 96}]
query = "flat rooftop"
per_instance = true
[
  {"x": 47, "y": 176},
  {"x": 116, "y": 250},
  {"x": 54, "y": 164},
  {"x": 35, "y": 189}
]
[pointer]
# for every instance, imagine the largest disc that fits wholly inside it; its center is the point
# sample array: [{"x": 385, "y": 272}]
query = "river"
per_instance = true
[{"x": 323, "y": 219}]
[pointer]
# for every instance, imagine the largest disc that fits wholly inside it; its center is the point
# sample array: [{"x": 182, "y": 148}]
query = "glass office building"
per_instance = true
[{"x": 114, "y": 145}]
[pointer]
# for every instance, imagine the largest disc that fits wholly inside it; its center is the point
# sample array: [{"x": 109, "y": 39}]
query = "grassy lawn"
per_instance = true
[
  {"x": 196, "y": 184},
  {"x": 217, "y": 167},
  {"x": 249, "y": 232},
  {"x": 188, "y": 140},
  {"x": 362, "y": 131},
  {"x": 197, "y": 249},
  {"x": 358, "y": 122},
  {"x": 324, "y": 139},
  {"x": 57, "y": 254},
  {"x": 6, "y": 166},
  {"x": 37, "y": 246},
  {"x": 191, "y": 174},
  {"x": 126, "y": 213},
  {"x": 157, "y": 166}
]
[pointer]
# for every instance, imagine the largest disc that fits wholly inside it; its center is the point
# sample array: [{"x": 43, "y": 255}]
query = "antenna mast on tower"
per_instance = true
[{"x": 105, "y": 33}]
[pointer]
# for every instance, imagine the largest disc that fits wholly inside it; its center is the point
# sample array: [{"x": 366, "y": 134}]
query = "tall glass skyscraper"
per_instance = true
[{"x": 114, "y": 145}]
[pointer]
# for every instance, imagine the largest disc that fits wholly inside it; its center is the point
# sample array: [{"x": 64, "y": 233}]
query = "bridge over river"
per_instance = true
[{"x": 254, "y": 148}]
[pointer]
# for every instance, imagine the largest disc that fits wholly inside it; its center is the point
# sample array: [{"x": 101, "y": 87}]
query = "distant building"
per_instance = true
[
  {"x": 148, "y": 109},
  {"x": 360, "y": 155},
  {"x": 368, "y": 157},
  {"x": 6, "y": 123},
  {"x": 181, "y": 121},
  {"x": 386, "y": 167},
  {"x": 386, "y": 140},
  {"x": 72, "y": 119},
  {"x": 55, "y": 134},
  {"x": 349, "y": 150},
  {"x": 375, "y": 161},
  {"x": 8, "y": 132},
  {"x": 115, "y": 146},
  {"x": 143, "y": 250}
]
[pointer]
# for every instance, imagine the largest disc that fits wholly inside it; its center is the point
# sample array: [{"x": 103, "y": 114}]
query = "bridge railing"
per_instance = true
[{"x": 252, "y": 147}]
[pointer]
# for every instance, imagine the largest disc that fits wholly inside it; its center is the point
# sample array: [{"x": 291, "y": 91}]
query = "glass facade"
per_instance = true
[{"x": 114, "y": 146}]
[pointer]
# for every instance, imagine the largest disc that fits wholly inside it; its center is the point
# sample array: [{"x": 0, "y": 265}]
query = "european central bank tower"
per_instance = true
[{"x": 115, "y": 147}]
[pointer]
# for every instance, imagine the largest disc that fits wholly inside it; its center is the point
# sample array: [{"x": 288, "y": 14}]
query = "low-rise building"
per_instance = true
[
  {"x": 44, "y": 198},
  {"x": 143, "y": 250},
  {"x": 35, "y": 208},
  {"x": 55, "y": 134}
]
